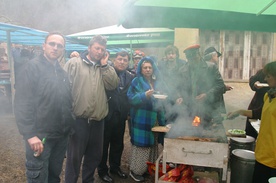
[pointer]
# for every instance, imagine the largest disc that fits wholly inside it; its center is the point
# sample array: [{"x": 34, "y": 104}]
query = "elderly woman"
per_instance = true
[
  {"x": 265, "y": 151},
  {"x": 145, "y": 114}
]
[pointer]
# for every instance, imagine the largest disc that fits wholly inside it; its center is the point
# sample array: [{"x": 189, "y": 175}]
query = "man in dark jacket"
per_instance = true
[
  {"x": 43, "y": 111},
  {"x": 170, "y": 69},
  {"x": 212, "y": 55},
  {"x": 202, "y": 87},
  {"x": 114, "y": 127}
]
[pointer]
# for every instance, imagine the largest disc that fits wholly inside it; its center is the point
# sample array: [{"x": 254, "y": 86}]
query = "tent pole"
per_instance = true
[
  {"x": 266, "y": 7},
  {"x": 131, "y": 54},
  {"x": 11, "y": 64}
]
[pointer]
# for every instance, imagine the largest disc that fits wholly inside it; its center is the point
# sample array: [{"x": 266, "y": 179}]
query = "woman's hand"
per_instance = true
[
  {"x": 149, "y": 93},
  {"x": 233, "y": 115},
  {"x": 256, "y": 85}
]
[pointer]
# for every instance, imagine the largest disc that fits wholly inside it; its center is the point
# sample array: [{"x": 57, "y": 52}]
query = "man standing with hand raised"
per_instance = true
[{"x": 90, "y": 76}]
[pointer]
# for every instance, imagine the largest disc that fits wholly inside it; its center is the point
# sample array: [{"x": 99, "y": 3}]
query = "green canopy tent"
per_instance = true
[
  {"x": 119, "y": 37},
  {"x": 245, "y": 15}
]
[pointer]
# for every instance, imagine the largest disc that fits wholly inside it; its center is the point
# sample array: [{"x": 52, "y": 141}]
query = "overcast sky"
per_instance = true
[{"x": 66, "y": 16}]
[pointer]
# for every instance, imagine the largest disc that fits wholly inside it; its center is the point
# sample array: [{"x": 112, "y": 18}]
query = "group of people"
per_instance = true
[{"x": 81, "y": 109}]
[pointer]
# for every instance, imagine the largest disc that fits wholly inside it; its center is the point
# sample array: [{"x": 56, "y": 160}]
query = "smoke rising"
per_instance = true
[{"x": 66, "y": 16}]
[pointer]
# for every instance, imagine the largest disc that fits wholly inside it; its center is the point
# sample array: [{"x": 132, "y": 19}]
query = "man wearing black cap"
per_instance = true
[
  {"x": 212, "y": 55},
  {"x": 202, "y": 86}
]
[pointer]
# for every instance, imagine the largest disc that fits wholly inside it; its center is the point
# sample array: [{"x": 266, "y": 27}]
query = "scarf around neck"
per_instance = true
[{"x": 271, "y": 93}]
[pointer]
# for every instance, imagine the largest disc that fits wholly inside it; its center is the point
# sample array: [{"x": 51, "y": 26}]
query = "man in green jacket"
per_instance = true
[
  {"x": 90, "y": 76},
  {"x": 202, "y": 87}
]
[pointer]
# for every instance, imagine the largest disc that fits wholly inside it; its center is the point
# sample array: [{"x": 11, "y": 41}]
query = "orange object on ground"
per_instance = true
[{"x": 152, "y": 168}]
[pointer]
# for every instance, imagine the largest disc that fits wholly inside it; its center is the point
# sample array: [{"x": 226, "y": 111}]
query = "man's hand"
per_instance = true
[
  {"x": 36, "y": 145},
  {"x": 74, "y": 54},
  {"x": 201, "y": 97},
  {"x": 104, "y": 59},
  {"x": 179, "y": 101},
  {"x": 228, "y": 88}
]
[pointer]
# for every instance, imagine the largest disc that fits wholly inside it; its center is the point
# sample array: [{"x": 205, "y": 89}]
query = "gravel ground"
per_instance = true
[{"x": 12, "y": 155}]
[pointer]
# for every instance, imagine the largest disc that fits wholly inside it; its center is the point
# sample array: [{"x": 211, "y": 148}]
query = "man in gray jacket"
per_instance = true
[{"x": 90, "y": 76}]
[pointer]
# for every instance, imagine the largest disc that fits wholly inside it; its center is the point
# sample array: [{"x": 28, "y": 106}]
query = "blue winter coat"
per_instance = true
[{"x": 144, "y": 112}]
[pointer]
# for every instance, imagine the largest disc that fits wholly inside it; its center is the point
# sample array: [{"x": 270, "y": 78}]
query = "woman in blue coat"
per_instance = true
[{"x": 145, "y": 113}]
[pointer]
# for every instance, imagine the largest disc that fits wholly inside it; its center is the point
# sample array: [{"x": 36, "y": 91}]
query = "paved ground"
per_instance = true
[
  {"x": 238, "y": 98},
  {"x": 12, "y": 151}
]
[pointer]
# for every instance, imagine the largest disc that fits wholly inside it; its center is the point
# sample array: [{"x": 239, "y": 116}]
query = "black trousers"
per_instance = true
[
  {"x": 113, "y": 147},
  {"x": 85, "y": 144},
  {"x": 262, "y": 173}
]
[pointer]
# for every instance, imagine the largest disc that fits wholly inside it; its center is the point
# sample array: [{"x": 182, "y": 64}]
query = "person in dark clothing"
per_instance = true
[
  {"x": 43, "y": 111},
  {"x": 257, "y": 100},
  {"x": 20, "y": 57},
  {"x": 202, "y": 87},
  {"x": 115, "y": 122},
  {"x": 171, "y": 81},
  {"x": 212, "y": 55}
]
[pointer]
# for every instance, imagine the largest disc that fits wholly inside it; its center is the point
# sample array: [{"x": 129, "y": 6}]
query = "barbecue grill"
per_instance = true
[{"x": 196, "y": 145}]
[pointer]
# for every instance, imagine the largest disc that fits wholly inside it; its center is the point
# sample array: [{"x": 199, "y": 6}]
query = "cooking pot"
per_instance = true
[{"x": 242, "y": 166}]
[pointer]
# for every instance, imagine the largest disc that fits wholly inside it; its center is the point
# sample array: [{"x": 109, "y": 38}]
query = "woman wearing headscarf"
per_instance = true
[
  {"x": 145, "y": 113},
  {"x": 265, "y": 151}
]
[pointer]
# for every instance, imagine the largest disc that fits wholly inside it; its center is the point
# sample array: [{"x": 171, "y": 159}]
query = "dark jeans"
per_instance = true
[
  {"x": 262, "y": 173},
  {"x": 86, "y": 143},
  {"x": 47, "y": 167},
  {"x": 114, "y": 130}
]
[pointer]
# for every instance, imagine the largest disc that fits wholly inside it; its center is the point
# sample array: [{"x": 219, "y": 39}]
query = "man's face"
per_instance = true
[
  {"x": 96, "y": 52},
  {"x": 215, "y": 58},
  {"x": 136, "y": 61},
  {"x": 171, "y": 56},
  {"x": 54, "y": 47},
  {"x": 121, "y": 63},
  {"x": 195, "y": 58}
]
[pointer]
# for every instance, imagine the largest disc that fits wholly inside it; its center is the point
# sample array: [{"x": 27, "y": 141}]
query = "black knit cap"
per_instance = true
[{"x": 210, "y": 50}]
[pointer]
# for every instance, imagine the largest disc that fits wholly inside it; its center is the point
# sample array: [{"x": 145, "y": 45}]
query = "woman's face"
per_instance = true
[
  {"x": 271, "y": 81},
  {"x": 147, "y": 70}
]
